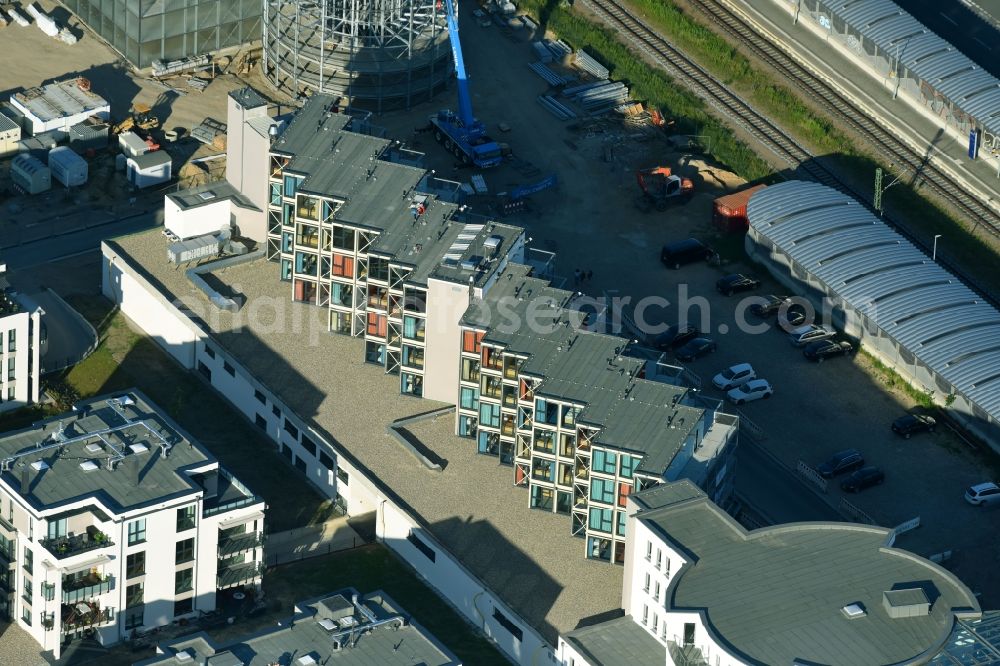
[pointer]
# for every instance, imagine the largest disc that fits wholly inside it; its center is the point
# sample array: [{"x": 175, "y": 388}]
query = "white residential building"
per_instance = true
[
  {"x": 113, "y": 520},
  {"x": 20, "y": 330},
  {"x": 700, "y": 589}
]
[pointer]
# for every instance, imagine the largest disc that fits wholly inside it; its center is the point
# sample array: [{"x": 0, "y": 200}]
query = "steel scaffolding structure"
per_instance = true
[{"x": 379, "y": 54}]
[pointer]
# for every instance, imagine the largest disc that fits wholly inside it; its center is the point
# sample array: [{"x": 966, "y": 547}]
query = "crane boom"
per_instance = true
[{"x": 464, "y": 99}]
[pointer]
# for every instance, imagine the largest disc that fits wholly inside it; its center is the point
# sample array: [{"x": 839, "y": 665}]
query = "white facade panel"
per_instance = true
[{"x": 209, "y": 218}]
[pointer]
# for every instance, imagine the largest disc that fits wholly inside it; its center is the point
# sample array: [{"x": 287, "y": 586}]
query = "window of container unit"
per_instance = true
[
  {"x": 564, "y": 502},
  {"x": 604, "y": 461},
  {"x": 340, "y": 322},
  {"x": 303, "y": 291},
  {"x": 602, "y": 490},
  {"x": 395, "y": 305},
  {"x": 565, "y": 477},
  {"x": 307, "y": 236},
  {"x": 470, "y": 370},
  {"x": 546, "y": 411},
  {"x": 526, "y": 390},
  {"x": 291, "y": 186},
  {"x": 378, "y": 297},
  {"x": 288, "y": 215},
  {"x": 541, "y": 498},
  {"x": 507, "y": 425},
  {"x": 543, "y": 470},
  {"x": 491, "y": 386},
  {"x": 489, "y": 415},
  {"x": 287, "y": 242},
  {"x": 413, "y": 356},
  {"x": 343, "y": 266},
  {"x": 620, "y": 522},
  {"x": 343, "y": 238},
  {"x": 600, "y": 519},
  {"x": 414, "y": 300},
  {"x": 567, "y": 445},
  {"x": 273, "y": 222},
  {"x": 624, "y": 490},
  {"x": 305, "y": 263},
  {"x": 275, "y": 198},
  {"x": 286, "y": 270},
  {"x": 377, "y": 325},
  {"x": 184, "y": 551},
  {"x": 414, "y": 328},
  {"x": 467, "y": 426},
  {"x": 544, "y": 441},
  {"x": 599, "y": 549},
  {"x": 342, "y": 294},
  {"x": 569, "y": 416},
  {"x": 492, "y": 358},
  {"x": 627, "y": 465},
  {"x": 378, "y": 269},
  {"x": 308, "y": 207},
  {"x": 471, "y": 341},
  {"x": 489, "y": 443},
  {"x": 375, "y": 353},
  {"x": 506, "y": 453},
  {"x": 412, "y": 384}
]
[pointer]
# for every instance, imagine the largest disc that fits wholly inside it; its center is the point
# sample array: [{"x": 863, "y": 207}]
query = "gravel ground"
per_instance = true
[
  {"x": 18, "y": 647},
  {"x": 527, "y": 557}
]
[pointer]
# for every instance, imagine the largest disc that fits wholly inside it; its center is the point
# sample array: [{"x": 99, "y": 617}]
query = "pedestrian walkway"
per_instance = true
[
  {"x": 310, "y": 541},
  {"x": 915, "y": 126}
]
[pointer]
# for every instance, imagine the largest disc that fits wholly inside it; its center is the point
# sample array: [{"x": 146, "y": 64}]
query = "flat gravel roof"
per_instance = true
[{"x": 528, "y": 558}]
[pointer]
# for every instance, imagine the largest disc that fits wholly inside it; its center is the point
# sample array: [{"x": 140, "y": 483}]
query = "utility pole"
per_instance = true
[
  {"x": 934, "y": 250},
  {"x": 880, "y": 190}
]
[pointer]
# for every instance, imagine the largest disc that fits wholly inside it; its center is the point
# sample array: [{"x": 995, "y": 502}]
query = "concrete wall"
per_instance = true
[
  {"x": 205, "y": 219},
  {"x": 446, "y": 302},
  {"x": 171, "y": 329},
  {"x": 26, "y": 328},
  {"x": 247, "y": 166}
]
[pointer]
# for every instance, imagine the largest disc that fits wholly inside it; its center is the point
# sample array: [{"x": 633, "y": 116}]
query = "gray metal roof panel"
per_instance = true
[
  {"x": 935, "y": 306},
  {"x": 618, "y": 642},
  {"x": 883, "y": 23}
]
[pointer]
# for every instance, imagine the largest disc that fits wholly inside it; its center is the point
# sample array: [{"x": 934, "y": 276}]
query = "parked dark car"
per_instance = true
[
  {"x": 731, "y": 284},
  {"x": 866, "y": 477},
  {"x": 791, "y": 319},
  {"x": 769, "y": 307},
  {"x": 675, "y": 336},
  {"x": 912, "y": 424},
  {"x": 841, "y": 462},
  {"x": 696, "y": 349},
  {"x": 824, "y": 349},
  {"x": 674, "y": 255}
]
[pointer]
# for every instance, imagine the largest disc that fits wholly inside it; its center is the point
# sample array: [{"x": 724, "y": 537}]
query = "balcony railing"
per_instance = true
[
  {"x": 84, "y": 614},
  {"x": 63, "y": 547},
  {"x": 238, "y": 574},
  {"x": 248, "y": 498},
  {"x": 86, "y": 588},
  {"x": 238, "y": 544}
]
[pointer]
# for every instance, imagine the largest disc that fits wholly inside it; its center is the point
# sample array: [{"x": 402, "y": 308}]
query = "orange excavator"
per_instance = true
[{"x": 660, "y": 187}]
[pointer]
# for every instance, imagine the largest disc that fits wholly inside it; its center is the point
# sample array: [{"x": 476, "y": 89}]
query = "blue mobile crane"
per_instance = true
[{"x": 461, "y": 133}]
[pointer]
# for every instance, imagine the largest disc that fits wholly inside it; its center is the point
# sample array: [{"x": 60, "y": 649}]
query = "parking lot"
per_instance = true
[{"x": 590, "y": 221}]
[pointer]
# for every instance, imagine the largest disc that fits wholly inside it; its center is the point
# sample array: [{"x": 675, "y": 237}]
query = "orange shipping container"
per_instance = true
[{"x": 730, "y": 211}]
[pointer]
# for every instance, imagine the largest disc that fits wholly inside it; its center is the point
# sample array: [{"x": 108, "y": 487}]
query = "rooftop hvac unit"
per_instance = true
[
  {"x": 467, "y": 265},
  {"x": 138, "y": 448},
  {"x": 492, "y": 244}
]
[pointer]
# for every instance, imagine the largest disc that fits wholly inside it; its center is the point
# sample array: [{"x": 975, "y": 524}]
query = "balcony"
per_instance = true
[
  {"x": 84, "y": 614},
  {"x": 231, "y": 495},
  {"x": 87, "y": 587},
  {"x": 239, "y": 543},
  {"x": 63, "y": 547},
  {"x": 7, "y": 526},
  {"x": 7, "y": 557},
  {"x": 238, "y": 574}
]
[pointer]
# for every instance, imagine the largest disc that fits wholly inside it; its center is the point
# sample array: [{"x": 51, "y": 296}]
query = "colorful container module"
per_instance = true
[{"x": 730, "y": 211}]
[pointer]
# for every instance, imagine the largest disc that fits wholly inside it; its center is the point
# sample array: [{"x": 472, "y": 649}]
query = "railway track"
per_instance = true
[
  {"x": 741, "y": 113},
  {"x": 839, "y": 106}
]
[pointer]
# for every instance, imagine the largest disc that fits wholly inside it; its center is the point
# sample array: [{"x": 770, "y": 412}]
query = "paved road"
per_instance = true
[
  {"x": 48, "y": 249},
  {"x": 774, "y": 491}
]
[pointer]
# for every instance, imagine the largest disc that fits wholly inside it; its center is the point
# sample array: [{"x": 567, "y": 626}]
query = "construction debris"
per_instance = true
[
  {"x": 589, "y": 65},
  {"x": 211, "y": 132},
  {"x": 556, "y": 108},
  {"x": 547, "y": 74}
]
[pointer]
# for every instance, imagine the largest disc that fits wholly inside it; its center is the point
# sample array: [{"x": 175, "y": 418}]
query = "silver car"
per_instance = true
[
  {"x": 982, "y": 494},
  {"x": 803, "y": 335}
]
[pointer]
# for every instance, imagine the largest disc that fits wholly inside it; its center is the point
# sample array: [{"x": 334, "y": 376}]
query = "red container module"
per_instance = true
[{"x": 730, "y": 211}]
